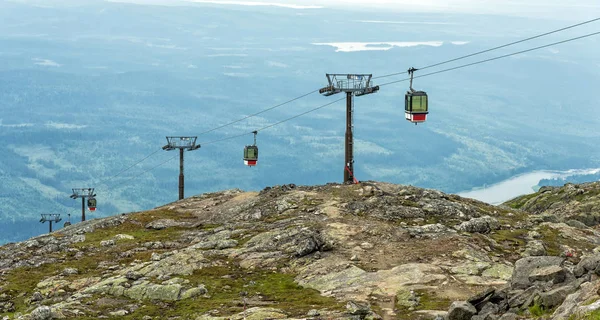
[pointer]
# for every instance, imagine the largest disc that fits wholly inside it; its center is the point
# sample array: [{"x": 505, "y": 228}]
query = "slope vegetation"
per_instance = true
[{"x": 367, "y": 251}]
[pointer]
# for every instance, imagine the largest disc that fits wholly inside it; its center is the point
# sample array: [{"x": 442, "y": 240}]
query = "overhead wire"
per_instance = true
[
  {"x": 260, "y": 112},
  {"x": 142, "y": 173},
  {"x": 494, "y": 48},
  {"x": 495, "y": 58},
  {"x": 274, "y": 124},
  {"x": 127, "y": 169}
]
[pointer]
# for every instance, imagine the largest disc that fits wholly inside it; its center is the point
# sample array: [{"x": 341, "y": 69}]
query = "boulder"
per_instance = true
[
  {"x": 587, "y": 263},
  {"x": 107, "y": 243},
  {"x": 357, "y": 308},
  {"x": 37, "y": 296},
  {"x": 461, "y": 310},
  {"x": 535, "y": 248},
  {"x": 69, "y": 271},
  {"x": 481, "y": 297},
  {"x": 555, "y": 274},
  {"x": 525, "y": 266},
  {"x": 522, "y": 298},
  {"x": 484, "y": 224},
  {"x": 41, "y": 313},
  {"x": 555, "y": 297},
  {"x": 163, "y": 224},
  {"x": 508, "y": 316},
  {"x": 488, "y": 308}
]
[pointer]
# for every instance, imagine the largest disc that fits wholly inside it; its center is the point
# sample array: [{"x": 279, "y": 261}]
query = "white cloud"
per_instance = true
[
  {"x": 67, "y": 126},
  {"x": 227, "y": 55},
  {"x": 192, "y": 66},
  {"x": 256, "y": 3},
  {"x": 17, "y": 125},
  {"x": 276, "y": 64},
  {"x": 236, "y": 74},
  {"x": 46, "y": 62},
  {"x": 370, "y": 148},
  {"x": 376, "y": 46},
  {"x": 405, "y": 22}
]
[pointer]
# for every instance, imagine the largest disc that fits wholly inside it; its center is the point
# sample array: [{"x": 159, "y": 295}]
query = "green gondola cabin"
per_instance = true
[
  {"x": 416, "y": 106},
  {"x": 251, "y": 156},
  {"x": 91, "y": 204}
]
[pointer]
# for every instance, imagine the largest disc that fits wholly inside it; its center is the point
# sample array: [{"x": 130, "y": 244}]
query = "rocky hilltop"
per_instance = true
[{"x": 368, "y": 251}]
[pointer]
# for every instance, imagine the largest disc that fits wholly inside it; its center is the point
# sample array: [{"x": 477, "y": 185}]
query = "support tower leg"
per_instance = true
[
  {"x": 181, "y": 183},
  {"x": 50, "y": 226},
  {"x": 349, "y": 159},
  {"x": 82, "y": 209}
]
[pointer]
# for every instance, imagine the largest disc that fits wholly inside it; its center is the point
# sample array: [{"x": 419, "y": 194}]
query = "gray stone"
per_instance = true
[
  {"x": 508, "y": 316},
  {"x": 41, "y": 313},
  {"x": 525, "y": 266},
  {"x": 313, "y": 313},
  {"x": 163, "y": 224},
  {"x": 481, "y": 297},
  {"x": 119, "y": 313},
  {"x": 576, "y": 224},
  {"x": 488, "y": 308},
  {"x": 555, "y": 297},
  {"x": 484, "y": 224},
  {"x": 133, "y": 275},
  {"x": 358, "y": 308},
  {"x": 194, "y": 292},
  {"x": 461, "y": 310},
  {"x": 107, "y": 243},
  {"x": 123, "y": 237},
  {"x": 522, "y": 297},
  {"x": 70, "y": 271},
  {"x": 535, "y": 248},
  {"x": 555, "y": 274},
  {"x": 587, "y": 263},
  {"x": 37, "y": 296}
]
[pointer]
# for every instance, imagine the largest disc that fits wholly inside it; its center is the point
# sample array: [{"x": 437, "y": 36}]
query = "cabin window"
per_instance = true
[{"x": 419, "y": 103}]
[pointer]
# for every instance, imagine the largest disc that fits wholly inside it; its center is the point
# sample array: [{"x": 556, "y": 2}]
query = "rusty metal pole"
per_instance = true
[
  {"x": 349, "y": 159},
  {"x": 181, "y": 182},
  {"x": 82, "y": 209}
]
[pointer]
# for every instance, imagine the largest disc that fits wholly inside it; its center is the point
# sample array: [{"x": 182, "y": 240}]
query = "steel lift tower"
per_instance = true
[
  {"x": 50, "y": 217},
  {"x": 83, "y": 193},
  {"x": 181, "y": 143},
  {"x": 352, "y": 85}
]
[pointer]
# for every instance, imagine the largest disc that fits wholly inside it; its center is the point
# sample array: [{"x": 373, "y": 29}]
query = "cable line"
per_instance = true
[
  {"x": 495, "y": 58},
  {"x": 260, "y": 112},
  {"x": 126, "y": 169},
  {"x": 494, "y": 48},
  {"x": 142, "y": 173},
  {"x": 274, "y": 124}
]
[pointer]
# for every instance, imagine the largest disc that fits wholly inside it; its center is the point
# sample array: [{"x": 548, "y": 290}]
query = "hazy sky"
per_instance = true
[{"x": 560, "y": 9}]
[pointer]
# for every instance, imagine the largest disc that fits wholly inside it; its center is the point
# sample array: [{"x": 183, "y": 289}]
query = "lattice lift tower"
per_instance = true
[
  {"x": 181, "y": 143},
  {"x": 50, "y": 217},
  {"x": 83, "y": 193},
  {"x": 352, "y": 85}
]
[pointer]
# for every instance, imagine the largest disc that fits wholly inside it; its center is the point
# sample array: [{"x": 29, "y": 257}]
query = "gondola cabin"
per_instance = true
[
  {"x": 416, "y": 106},
  {"x": 91, "y": 204},
  {"x": 250, "y": 155}
]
